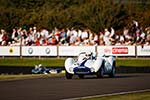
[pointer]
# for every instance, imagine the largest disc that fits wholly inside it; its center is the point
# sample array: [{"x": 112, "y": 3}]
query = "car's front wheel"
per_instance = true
[
  {"x": 68, "y": 75},
  {"x": 112, "y": 74}
]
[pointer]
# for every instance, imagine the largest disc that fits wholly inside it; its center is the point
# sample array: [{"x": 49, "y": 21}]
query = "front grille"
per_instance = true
[{"x": 82, "y": 71}]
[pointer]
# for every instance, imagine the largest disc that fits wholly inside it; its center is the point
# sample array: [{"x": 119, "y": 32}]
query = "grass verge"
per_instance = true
[
  {"x": 55, "y": 62},
  {"x": 134, "y": 62},
  {"x": 28, "y": 62},
  {"x": 131, "y": 96},
  {"x": 7, "y": 77}
]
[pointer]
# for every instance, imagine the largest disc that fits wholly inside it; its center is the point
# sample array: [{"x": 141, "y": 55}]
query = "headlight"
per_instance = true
[
  {"x": 92, "y": 69},
  {"x": 71, "y": 69}
]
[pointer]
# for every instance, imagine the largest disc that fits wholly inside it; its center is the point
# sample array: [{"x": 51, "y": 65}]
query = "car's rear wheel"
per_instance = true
[
  {"x": 81, "y": 76},
  {"x": 113, "y": 71},
  {"x": 68, "y": 75},
  {"x": 100, "y": 73}
]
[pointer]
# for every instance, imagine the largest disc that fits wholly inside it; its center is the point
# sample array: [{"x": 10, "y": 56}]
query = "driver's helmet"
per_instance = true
[{"x": 88, "y": 54}]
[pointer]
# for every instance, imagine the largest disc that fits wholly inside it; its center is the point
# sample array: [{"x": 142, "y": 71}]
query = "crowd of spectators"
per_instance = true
[{"x": 131, "y": 35}]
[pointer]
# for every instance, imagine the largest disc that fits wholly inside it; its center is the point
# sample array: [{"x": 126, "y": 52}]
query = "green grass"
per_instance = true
[
  {"x": 28, "y": 62},
  {"x": 136, "y": 62},
  {"x": 26, "y": 76},
  {"x": 132, "y": 96},
  {"x": 55, "y": 62}
]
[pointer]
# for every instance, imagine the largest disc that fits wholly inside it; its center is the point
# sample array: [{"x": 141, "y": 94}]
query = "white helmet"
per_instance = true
[{"x": 88, "y": 54}]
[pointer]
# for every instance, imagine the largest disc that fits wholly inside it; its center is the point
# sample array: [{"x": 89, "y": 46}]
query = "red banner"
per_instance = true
[{"x": 120, "y": 50}]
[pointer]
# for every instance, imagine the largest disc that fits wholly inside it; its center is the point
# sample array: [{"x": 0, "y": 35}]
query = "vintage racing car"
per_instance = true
[
  {"x": 40, "y": 69},
  {"x": 88, "y": 63}
]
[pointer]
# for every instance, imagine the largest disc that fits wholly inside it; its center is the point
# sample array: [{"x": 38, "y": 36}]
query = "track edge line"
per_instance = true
[{"x": 111, "y": 94}]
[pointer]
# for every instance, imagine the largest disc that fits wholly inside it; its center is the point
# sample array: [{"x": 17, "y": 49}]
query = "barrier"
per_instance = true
[
  {"x": 9, "y": 50},
  {"x": 74, "y": 50},
  {"x": 116, "y": 50},
  {"x": 143, "y": 51},
  {"x": 57, "y": 51},
  {"x": 39, "y": 51}
]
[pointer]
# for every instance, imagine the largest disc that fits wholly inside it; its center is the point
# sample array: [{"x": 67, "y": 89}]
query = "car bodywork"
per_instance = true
[
  {"x": 40, "y": 69},
  {"x": 93, "y": 65}
]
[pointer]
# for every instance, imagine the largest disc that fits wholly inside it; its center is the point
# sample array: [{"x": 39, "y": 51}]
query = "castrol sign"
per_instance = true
[
  {"x": 119, "y": 50},
  {"x": 116, "y": 50}
]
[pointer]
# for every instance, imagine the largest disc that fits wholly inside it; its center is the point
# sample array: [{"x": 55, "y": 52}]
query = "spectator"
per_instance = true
[
  {"x": 34, "y": 30},
  {"x": 44, "y": 33},
  {"x": 3, "y": 37},
  {"x": 112, "y": 36},
  {"x": 84, "y": 35},
  {"x": 91, "y": 37},
  {"x": 122, "y": 40},
  {"x": 86, "y": 42},
  {"x": 79, "y": 33},
  {"x": 132, "y": 35},
  {"x": 14, "y": 34},
  {"x": 78, "y": 41},
  {"x": 29, "y": 40},
  {"x": 63, "y": 36},
  {"x": 107, "y": 37},
  {"x": 135, "y": 24},
  {"x": 95, "y": 40},
  {"x": 101, "y": 41},
  {"x": 37, "y": 42},
  {"x": 147, "y": 41},
  {"x": 72, "y": 40},
  {"x": 74, "y": 32},
  {"x": 53, "y": 40}
]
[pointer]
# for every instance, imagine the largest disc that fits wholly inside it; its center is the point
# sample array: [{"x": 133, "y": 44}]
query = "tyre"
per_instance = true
[
  {"x": 100, "y": 73},
  {"x": 113, "y": 71},
  {"x": 81, "y": 76},
  {"x": 68, "y": 75}
]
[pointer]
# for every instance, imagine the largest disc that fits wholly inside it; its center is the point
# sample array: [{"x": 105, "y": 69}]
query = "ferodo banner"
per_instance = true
[
  {"x": 39, "y": 51},
  {"x": 74, "y": 50},
  {"x": 116, "y": 50},
  {"x": 9, "y": 51},
  {"x": 143, "y": 50},
  {"x": 120, "y": 50}
]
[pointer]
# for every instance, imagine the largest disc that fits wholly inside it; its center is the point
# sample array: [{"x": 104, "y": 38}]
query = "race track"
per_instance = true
[{"x": 58, "y": 88}]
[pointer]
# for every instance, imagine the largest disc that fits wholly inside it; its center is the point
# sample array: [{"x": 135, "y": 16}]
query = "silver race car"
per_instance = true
[{"x": 88, "y": 63}]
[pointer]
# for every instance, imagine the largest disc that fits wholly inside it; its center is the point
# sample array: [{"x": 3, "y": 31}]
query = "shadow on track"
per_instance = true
[{"x": 106, "y": 76}]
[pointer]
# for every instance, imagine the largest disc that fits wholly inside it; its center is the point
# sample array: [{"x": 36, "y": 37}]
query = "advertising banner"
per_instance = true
[
  {"x": 116, "y": 50},
  {"x": 39, "y": 51},
  {"x": 143, "y": 50},
  {"x": 9, "y": 51},
  {"x": 74, "y": 50}
]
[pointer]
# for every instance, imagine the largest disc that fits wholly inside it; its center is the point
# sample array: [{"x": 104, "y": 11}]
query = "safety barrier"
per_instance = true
[{"x": 58, "y": 51}]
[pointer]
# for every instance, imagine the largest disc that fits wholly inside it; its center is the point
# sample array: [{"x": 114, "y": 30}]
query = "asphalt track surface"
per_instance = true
[{"x": 58, "y": 88}]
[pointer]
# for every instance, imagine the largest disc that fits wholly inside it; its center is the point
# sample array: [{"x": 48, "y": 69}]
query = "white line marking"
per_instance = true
[{"x": 112, "y": 94}]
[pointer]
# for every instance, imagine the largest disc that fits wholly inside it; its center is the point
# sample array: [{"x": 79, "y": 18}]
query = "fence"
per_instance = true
[{"x": 58, "y": 51}]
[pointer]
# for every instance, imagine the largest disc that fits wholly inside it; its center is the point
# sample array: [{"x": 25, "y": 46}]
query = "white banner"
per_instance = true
[
  {"x": 39, "y": 51},
  {"x": 9, "y": 51},
  {"x": 74, "y": 50},
  {"x": 143, "y": 51},
  {"x": 116, "y": 50}
]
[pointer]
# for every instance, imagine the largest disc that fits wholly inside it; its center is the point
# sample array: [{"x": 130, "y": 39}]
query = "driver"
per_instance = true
[{"x": 88, "y": 55}]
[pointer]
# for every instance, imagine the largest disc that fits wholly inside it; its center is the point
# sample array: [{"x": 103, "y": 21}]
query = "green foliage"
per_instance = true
[{"x": 93, "y": 14}]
